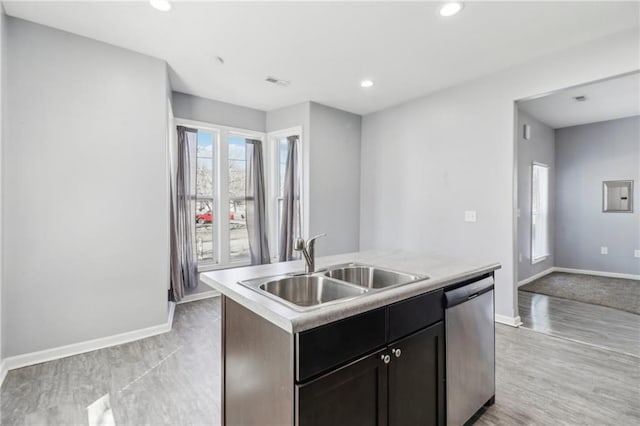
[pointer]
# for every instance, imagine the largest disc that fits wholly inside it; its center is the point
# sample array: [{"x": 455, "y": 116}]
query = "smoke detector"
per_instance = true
[
  {"x": 580, "y": 98},
  {"x": 277, "y": 81}
]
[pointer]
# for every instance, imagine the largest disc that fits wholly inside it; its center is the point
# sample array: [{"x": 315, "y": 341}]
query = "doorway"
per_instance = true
[{"x": 577, "y": 248}]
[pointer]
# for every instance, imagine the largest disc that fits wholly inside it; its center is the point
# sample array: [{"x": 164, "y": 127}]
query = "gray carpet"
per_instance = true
[{"x": 617, "y": 293}]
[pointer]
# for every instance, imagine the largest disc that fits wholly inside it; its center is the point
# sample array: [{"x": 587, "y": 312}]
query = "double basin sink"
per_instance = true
[{"x": 334, "y": 284}]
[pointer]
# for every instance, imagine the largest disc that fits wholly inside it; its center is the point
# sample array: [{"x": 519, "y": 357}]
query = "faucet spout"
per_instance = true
[{"x": 308, "y": 251}]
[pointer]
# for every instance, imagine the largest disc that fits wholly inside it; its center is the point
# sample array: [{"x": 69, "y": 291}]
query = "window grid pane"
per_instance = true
[
  {"x": 238, "y": 236},
  {"x": 282, "y": 164},
  {"x": 204, "y": 197},
  {"x": 282, "y": 152},
  {"x": 539, "y": 212}
]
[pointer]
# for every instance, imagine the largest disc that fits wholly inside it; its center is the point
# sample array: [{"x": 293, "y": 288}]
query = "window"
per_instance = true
[
  {"x": 238, "y": 237},
  {"x": 539, "y": 212},
  {"x": 279, "y": 145},
  {"x": 205, "y": 195},
  {"x": 218, "y": 177}
]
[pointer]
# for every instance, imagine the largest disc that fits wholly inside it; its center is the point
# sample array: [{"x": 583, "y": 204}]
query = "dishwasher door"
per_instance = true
[{"x": 470, "y": 340}]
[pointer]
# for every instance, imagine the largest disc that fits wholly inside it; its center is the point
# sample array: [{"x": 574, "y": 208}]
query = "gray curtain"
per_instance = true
[
  {"x": 255, "y": 200},
  {"x": 182, "y": 222},
  {"x": 290, "y": 219}
]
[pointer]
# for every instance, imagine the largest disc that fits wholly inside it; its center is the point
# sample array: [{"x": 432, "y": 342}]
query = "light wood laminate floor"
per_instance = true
[
  {"x": 545, "y": 380},
  {"x": 174, "y": 379},
  {"x": 582, "y": 322},
  {"x": 169, "y": 379}
]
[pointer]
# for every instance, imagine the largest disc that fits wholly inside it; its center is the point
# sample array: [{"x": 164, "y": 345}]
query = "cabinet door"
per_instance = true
[
  {"x": 353, "y": 395},
  {"x": 416, "y": 378}
]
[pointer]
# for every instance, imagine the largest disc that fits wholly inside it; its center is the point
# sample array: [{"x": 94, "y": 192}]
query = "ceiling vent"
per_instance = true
[
  {"x": 277, "y": 81},
  {"x": 581, "y": 98}
]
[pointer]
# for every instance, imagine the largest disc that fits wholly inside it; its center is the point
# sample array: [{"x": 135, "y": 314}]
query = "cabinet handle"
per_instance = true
[
  {"x": 385, "y": 358},
  {"x": 396, "y": 352}
]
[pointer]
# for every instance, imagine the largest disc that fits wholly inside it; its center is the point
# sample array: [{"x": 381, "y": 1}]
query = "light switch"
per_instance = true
[
  {"x": 470, "y": 216},
  {"x": 636, "y": 253},
  {"x": 604, "y": 250}
]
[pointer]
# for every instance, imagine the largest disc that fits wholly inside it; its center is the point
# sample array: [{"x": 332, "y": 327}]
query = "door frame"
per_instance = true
[{"x": 514, "y": 212}]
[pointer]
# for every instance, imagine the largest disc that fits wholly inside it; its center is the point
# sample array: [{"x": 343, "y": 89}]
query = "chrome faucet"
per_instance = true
[{"x": 308, "y": 251}]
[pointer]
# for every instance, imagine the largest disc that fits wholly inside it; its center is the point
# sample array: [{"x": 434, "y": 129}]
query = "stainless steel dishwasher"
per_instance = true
[{"x": 470, "y": 331}]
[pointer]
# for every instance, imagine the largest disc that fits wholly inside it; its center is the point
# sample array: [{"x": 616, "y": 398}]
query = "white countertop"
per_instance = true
[{"x": 442, "y": 271}]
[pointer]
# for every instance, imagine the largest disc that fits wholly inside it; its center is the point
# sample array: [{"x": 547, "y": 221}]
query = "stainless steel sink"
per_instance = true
[
  {"x": 335, "y": 284},
  {"x": 304, "y": 292},
  {"x": 371, "y": 277}
]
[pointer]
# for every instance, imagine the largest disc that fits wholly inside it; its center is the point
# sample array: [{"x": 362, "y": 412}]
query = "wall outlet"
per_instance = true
[
  {"x": 636, "y": 253},
  {"x": 470, "y": 216},
  {"x": 604, "y": 250}
]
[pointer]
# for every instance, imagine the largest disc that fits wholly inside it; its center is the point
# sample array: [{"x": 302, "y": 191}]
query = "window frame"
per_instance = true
[
  {"x": 535, "y": 257},
  {"x": 221, "y": 227},
  {"x": 274, "y": 187}
]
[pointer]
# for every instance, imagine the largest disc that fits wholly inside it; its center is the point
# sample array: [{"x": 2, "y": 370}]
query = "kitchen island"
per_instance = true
[{"x": 374, "y": 358}]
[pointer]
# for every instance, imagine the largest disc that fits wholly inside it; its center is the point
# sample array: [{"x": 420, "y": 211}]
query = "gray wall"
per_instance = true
[
  {"x": 540, "y": 148},
  {"x": 85, "y": 215},
  {"x": 287, "y": 117},
  {"x": 427, "y": 161},
  {"x": 586, "y": 155},
  {"x": 2, "y": 92},
  {"x": 334, "y": 178},
  {"x": 216, "y": 112},
  {"x": 331, "y": 159}
]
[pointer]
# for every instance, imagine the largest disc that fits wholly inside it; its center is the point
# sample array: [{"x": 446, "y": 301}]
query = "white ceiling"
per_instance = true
[
  {"x": 606, "y": 100},
  {"x": 326, "y": 49}
]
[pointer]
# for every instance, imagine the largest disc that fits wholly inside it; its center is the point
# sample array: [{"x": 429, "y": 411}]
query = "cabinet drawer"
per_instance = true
[
  {"x": 413, "y": 314},
  {"x": 333, "y": 344}
]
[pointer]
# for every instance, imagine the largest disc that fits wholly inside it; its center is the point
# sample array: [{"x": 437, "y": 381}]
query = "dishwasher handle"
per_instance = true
[{"x": 467, "y": 292}]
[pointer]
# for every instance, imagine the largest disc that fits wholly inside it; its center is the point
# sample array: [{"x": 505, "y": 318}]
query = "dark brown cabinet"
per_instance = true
[
  {"x": 416, "y": 378},
  {"x": 402, "y": 384}
]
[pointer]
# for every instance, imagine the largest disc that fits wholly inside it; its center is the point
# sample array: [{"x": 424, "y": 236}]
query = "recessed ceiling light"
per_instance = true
[
  {"x": 366, "y": 83},
  {"x": 451, "y": 8},
  {"x": 162, "y": 5}
]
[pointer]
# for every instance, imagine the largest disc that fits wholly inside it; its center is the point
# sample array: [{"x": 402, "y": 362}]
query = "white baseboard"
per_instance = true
[
  {"x": 511, "y": 321},
  {"x": 211, "y": 292},
  {"x": 3, "y": 371},
  {"x": 536, "y": 276},
  {"x": 199, "y": 296},
  {"x": 597, "y": 273},
  {"x": 577, "y": 271},
  {"x": 24, "y": 360}
]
